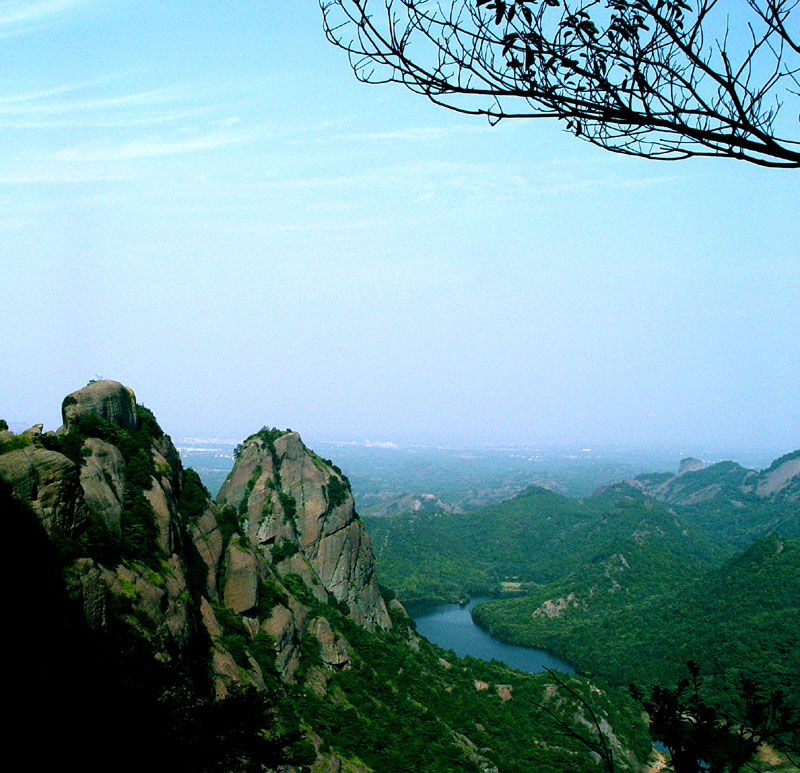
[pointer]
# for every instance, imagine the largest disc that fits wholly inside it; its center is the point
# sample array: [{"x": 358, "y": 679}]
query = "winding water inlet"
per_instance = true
[{"x": 451, "y": 626}]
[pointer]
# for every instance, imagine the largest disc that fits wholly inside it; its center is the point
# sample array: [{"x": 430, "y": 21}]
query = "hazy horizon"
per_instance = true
[{"x": 208, "y": 207}]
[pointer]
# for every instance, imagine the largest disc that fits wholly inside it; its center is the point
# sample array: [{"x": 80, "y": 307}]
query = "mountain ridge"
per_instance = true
[{"x": 244, "y": 634}]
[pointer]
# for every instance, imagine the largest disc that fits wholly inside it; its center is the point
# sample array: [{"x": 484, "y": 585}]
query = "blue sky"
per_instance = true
[{"x": 200, "y": 200}]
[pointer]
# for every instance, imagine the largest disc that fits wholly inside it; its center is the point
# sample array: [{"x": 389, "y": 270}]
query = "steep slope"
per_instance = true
[
  {"x": 288, "y": 496},
  {"x": 738, "y": 620},
  {"x": 536, "y": 537},
  {"x": 247, "y": 634}
]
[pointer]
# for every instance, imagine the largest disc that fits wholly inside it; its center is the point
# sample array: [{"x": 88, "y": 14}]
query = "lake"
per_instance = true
[{"x": 451, "y": 626}]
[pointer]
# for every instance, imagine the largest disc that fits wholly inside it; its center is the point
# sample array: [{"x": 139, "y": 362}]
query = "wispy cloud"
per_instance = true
[
  {"x": 61, "y": 176},
  {"x": 83, "y": 105},
  {"x": 154, "y": 148},
  {"x": 418, "y": 133},
  {"x": 49, "y": 110},
  {"x": 100, "y": 122},
  {"x": 32, "y": 103},
  {"x": 21, "y": 16}
]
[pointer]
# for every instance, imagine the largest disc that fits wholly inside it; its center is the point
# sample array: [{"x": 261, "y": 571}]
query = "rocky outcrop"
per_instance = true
[
  {"x": 555, "y": 607},
  {"x": 411, "y": 503},
  {"x": 288, "y": 494},
  {"x": 690, "y": 464},
  {"x": 49, "y": 482},
  {"x": 110, "y": 479},
  {"x": 781, "y": 479},
  {"x": 90, "y": 499},
  {"x": 106, "y": 399},
  {"x": 333, "y": 649}
]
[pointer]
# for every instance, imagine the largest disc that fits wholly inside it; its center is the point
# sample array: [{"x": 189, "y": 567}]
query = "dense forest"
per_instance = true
[
  {"x": 631, "y": 583},
  {"x": 536, "y": 537}
]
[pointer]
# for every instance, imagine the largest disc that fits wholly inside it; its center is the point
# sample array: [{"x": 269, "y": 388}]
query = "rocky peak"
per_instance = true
[
  {"x": 105, "y": 399},
  {"x": 690, "y": 464},
  {"x": 297, "y": 509}
]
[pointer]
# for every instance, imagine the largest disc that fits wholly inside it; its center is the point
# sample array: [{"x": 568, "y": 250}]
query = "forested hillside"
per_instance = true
[
  {"x": 633, "y": 582},
  {"x": 156, "y": 629},
  {"x": 536, "y": 537},
  {"x": 738, "y": 620}
]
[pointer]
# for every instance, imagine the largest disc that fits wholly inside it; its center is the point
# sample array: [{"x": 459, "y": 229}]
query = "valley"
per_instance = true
[
  {"x": 267, "y": 628},
  {"x": 250, "y": 632}
]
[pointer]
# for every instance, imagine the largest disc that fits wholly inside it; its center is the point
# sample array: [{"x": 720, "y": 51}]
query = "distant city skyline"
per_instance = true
[{"x": 205, "y": 205}]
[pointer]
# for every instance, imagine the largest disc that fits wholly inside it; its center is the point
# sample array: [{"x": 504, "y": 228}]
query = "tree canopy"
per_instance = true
[{"x": 663, "y": 79}]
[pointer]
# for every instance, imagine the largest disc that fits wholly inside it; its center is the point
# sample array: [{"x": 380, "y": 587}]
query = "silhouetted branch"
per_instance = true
[
  {"x": 665, "y": 79},
  {"x": 600, "y": 745}
]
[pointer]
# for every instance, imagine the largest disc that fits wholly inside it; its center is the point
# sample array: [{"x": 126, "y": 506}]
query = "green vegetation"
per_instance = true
[
  {"x": 289, "y": 505},
  {"x": 270, "y": 594},
  {"x": 14, "y": 444},
  {"x": 536, "y": 537},
  {"x": 235, "y": 635},
  {"x": 624, "y": 588},
  {"x": 738, "y": 620},
  {"x": 194, "y": 497},
  {"x": 403, "y": 710},
  {"x": 735, "y": 525},
  {"x": 283, "y": 550},
  {"x": 230, "y": 523},
  {"x": 337, "y": 492}
]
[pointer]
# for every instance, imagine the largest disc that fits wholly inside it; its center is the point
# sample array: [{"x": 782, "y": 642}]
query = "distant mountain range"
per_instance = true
[{"x": 696, "y": 483}]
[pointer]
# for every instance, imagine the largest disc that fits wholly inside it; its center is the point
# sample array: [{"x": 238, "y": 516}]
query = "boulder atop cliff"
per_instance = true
[{"x": 105, "y": 399}]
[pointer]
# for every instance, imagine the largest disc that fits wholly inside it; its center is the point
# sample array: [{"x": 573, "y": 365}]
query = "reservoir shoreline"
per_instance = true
[{"x": 451, "y": 626}]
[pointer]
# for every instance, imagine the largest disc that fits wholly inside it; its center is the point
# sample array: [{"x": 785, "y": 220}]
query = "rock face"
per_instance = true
[
  {"x": 49, "y": 482},
  {"x": 107, "y": 399},
  {"x": 113, "y": 490},
  {"x": 102, "y": 478},
  {"x": 696, "y": 483},
  {"x": 289, "y": 495},
  {"x": 690, "y": 465},
  {"x": 782, "y": 479}
]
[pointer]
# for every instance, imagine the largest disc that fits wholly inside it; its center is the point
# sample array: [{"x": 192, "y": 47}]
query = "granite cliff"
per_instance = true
[
  {"x": 143, "y": 545},
  {"x": 163, "y": 629},
  {"x": 109, "y": 476}
]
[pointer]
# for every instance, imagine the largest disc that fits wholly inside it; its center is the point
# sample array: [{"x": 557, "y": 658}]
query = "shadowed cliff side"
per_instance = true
[{"x": 157, "y": 629}]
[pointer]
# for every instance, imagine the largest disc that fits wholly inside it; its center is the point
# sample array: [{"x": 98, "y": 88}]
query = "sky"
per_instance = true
[{"x": 201, "y": 201}]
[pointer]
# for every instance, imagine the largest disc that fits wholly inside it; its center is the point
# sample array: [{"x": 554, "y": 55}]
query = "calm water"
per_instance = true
[{"x": 451, "y": 626}]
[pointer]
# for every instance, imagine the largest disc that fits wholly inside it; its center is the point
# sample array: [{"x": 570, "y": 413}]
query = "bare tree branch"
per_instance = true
[
  {"x": 597, "y": 742},
  {"x": 663, "y": 79}
]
